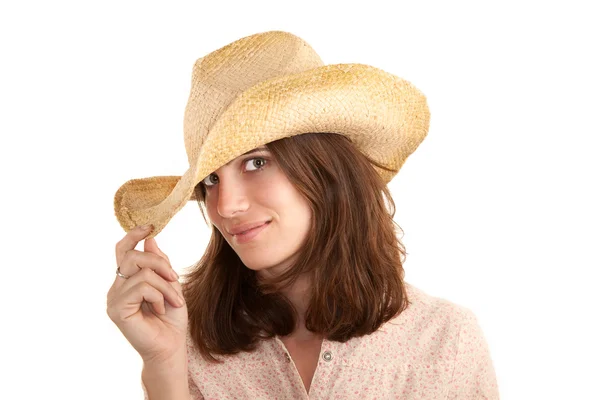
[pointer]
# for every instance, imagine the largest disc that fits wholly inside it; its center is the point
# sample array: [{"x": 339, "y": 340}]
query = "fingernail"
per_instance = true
[
  {"x": 174, "y": 275},
  {"x": 145, "y": 227}
]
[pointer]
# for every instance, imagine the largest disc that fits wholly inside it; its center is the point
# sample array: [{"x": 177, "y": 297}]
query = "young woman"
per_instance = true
[{"x": 300, "y": 293}]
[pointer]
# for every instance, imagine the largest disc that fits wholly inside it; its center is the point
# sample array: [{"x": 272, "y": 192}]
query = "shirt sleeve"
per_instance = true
[
  {"x": 474, "y": 376},
  {"x": 194, "y": 391}
]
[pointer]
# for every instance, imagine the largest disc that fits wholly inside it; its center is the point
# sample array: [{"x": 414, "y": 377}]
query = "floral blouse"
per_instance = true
[{"x": 434, "y": 349}]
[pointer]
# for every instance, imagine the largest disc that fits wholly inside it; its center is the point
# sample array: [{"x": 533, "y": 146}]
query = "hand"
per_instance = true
[{"x": 148, "y": 307}]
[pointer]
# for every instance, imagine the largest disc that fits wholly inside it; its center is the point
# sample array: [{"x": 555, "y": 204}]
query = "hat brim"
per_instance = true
[
  {"x": 154, "y": 200},
  {"x": 386, "y": 117}
]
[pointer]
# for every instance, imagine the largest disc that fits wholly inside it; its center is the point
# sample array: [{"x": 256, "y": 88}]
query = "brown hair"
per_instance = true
[{"x": 352, "y": 255}]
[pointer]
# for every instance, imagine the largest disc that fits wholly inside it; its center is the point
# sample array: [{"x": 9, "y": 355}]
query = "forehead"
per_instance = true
[{"x": 261, "y": 148}]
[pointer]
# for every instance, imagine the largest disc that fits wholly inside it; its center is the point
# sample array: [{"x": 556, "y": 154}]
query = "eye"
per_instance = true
[
  {"x": 251, "y": 164},
  {"x": 211, "y": 180},
  {"x": 254, "y": 164}
]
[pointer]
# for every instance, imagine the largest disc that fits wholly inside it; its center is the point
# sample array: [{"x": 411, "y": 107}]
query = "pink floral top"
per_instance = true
[{"x": 433, "y": 350}]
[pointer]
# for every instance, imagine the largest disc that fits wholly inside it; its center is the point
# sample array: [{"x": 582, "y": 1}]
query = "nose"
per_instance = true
[{"x": 232, "y": 198}]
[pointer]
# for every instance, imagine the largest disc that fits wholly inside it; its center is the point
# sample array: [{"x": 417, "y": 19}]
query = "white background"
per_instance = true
[{"x": 499, "y": 204}]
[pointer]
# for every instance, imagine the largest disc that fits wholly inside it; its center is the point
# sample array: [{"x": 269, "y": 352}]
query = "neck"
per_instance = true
[{"x": 299, "y": 295}]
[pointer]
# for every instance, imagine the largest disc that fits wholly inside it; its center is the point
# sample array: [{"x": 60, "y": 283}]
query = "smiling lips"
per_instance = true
[
  {"x": 241, "y": 228},
  {"x": 246, "y": 232},
  {"x": 241, "y": 233}
]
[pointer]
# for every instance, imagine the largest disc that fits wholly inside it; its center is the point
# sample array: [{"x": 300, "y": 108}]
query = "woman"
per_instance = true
[{"x": 300, "y": 293}]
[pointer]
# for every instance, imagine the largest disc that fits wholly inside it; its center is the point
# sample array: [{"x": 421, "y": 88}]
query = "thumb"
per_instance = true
[{"x": 151, "y": 246}]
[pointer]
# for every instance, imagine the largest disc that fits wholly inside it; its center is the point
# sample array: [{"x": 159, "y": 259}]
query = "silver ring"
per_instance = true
[{"x": 121, "y": 275}]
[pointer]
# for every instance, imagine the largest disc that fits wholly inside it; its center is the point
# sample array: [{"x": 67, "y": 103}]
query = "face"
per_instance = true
[{"x": 258, "y": 211}]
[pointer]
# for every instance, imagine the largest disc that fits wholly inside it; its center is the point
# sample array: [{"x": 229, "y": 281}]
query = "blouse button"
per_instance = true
[{"x": 327, "y": 356}]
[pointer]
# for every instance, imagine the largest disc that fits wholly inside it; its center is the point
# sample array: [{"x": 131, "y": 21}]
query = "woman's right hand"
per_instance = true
[{"x": 148, "y": 307}]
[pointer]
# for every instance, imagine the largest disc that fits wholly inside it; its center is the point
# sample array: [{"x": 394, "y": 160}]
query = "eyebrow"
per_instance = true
[{"x": 262, "y": 148}]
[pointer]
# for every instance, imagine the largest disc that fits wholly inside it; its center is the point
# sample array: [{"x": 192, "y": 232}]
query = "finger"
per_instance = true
[
  {"x": 178, "y": 288},
  {"x": 131, "y": 300},
  {"x": 148, "y": 276},
  {"x": 150, "y": 245},
  {"x": 130, "y": 240},
  {"x": 135, "y": 260}
]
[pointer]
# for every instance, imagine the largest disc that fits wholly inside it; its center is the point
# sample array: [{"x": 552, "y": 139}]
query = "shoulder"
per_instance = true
[
  {"x": 428, "y": 310},
  {"x": 428, "y": 335},
  {"x": 452, "y": 334},
  {"x": 428, "y": 329}
]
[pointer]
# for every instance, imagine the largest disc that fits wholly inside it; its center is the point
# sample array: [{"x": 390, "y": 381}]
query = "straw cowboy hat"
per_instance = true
[{"x": 269, "y": 86}]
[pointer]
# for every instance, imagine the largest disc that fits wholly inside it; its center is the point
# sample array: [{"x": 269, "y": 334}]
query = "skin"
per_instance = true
[
  {"x": 148, "y": 307},
  {"x": 253, "y": 188},
  {"x": 153, "y": 280}
]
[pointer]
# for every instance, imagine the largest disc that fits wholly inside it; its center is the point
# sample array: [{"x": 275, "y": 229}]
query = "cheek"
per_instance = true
[
  {"x": 276, "y": 194},
  {"x": 293, "y": 209},
  {"x": 211, "y": 208}
]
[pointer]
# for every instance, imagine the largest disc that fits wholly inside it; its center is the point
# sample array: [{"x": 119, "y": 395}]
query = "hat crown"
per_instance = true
[
  {"x": 271, "y": 86},
  {"x": 219, "y": 77}
]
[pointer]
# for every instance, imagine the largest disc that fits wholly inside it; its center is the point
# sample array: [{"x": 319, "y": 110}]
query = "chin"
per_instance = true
[
  {"x": 257, "y": 264},
  {"x": 262, "y": 263},
  {"x": 258, "y": 260}
]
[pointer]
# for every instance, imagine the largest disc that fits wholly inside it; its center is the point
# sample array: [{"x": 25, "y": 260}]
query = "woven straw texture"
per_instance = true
[{"x": 266, "y": 87}]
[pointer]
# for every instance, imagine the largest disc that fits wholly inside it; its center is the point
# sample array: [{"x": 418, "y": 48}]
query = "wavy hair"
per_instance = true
[{"x": 352, "y": 255}]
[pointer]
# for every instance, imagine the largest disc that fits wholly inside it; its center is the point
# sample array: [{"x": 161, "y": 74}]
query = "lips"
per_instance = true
[
  {"x": 243, "y": 228},
  {"x": 251, "y": 234},
  {"x": 241, "y": 233}
]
